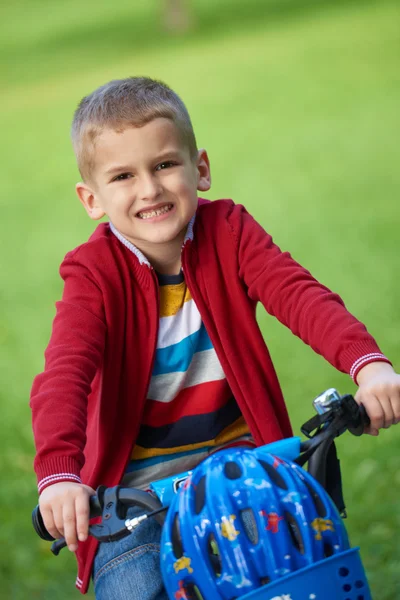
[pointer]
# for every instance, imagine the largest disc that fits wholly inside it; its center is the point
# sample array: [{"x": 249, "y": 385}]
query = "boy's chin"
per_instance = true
[
  {"x": 160, "y": 239},
  {"x": 164, "y": 240},
  {"x": 164, "y": 234}
]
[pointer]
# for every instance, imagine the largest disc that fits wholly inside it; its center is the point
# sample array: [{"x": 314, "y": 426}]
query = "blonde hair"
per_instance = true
[{"x": 122, "y": 103}]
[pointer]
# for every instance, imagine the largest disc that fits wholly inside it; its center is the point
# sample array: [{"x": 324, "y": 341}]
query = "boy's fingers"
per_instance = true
[
  {"x": 395, "y": 404},
  {"x": 70, "y": 526},
  {"x": 48, "y": 520},
  {"x": 58, "y": 521},
  {"x": 382, "y": 412},
  {"x": 82, "y": 516},
  {"x": 389, "y": 413},
  {"x": 396, "y": 414},
  {"x": 374, "y": 432},
  {"x": 385, "y": 413},
  {"x": 375, "y": 413}
]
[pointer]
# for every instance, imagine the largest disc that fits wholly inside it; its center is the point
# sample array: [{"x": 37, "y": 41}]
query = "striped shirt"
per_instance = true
[{"x": 190, "y": 410}]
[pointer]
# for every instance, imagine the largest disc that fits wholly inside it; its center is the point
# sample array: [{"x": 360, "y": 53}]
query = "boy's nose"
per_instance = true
[{"x": 150, "y": 187}]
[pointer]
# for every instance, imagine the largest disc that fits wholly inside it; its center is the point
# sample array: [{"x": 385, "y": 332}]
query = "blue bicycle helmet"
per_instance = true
[{"x": 246, "y": 521}]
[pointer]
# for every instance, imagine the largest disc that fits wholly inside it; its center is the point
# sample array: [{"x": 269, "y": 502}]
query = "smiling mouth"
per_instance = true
[{"x": 148, "y": 214}]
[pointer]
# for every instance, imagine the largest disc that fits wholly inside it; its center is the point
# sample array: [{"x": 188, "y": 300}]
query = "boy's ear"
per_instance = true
[
  {"x": 88, "y": 198},
  {"x": 203, "y": 169}
]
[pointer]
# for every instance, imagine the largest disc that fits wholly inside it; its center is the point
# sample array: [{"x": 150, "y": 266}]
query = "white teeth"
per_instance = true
[{"x": 155, "y": 213}]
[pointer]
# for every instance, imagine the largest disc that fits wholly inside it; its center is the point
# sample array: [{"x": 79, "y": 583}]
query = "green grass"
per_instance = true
[{"x": 297, "y": 103}]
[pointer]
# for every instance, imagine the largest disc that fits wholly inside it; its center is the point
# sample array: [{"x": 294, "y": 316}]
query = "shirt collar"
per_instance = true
[{"x": 139, "y": 255}]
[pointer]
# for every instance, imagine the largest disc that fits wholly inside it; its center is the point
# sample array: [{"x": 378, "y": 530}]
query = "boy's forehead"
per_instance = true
[{"x": 157, "y": 135}]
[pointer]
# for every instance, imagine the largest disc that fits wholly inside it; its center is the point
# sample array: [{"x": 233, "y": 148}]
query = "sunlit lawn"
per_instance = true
[{"x": 298, "y": 106}]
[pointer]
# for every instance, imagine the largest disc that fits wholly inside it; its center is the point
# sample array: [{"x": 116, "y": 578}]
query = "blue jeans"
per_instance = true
[{"x": 129, "y": 569}]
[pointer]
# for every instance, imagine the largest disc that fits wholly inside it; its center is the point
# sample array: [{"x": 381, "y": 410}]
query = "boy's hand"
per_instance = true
[
  {"x": 379, "y": 392},
  {"x": 65, "y": 510}
]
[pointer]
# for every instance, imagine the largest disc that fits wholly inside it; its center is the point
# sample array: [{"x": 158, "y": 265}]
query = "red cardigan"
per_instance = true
[{"x": 88, "y": 402}]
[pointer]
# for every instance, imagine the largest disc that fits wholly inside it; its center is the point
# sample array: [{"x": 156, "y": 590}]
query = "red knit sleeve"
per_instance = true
[
  {"x": 59, "y": 395},
  {"x": 292, "y": 295}
]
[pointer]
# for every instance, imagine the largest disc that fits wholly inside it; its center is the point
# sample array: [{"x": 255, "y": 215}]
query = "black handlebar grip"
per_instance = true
[
  {"x": 39, "y": 527},
  {"x": 360, "y": 423}
]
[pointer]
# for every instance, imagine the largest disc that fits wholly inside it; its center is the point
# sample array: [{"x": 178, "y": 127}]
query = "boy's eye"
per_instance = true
[
  {"x": 165, "y": 165},
  {"x": 122, "y": 176}
]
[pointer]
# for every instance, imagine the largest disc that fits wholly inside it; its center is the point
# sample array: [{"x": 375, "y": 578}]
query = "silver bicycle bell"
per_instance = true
[{"x": 326, "y": 401}]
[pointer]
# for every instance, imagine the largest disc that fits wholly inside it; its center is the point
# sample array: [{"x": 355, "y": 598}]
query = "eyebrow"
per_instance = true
[
  {"x": 169, "y": 154},
  {"x": 118, "y": 169}
]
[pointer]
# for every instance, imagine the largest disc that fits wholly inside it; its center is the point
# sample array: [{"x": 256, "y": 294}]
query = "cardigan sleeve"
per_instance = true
[
  {"x": 59, "y": 395},
  {"x": 290, "y": 293}
]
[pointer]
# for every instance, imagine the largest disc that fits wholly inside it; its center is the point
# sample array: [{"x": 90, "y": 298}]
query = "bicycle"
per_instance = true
[{"x": 335, "y": 415}]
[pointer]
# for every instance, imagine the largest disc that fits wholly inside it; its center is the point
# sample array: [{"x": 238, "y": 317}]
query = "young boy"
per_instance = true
[{"x": 155, "y": 357}]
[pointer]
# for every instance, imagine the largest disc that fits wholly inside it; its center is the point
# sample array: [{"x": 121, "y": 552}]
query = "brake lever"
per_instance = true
[{"x": 112, "y": 526}]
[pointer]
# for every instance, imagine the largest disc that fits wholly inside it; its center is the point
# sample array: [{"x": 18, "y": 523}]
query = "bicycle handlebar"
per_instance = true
[
  {"x": 339, "y": 414},
  {"x": 110, "y": 504}
]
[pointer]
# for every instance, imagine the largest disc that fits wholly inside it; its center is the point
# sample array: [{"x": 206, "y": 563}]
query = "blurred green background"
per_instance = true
[{"x": 297, "y": 102}]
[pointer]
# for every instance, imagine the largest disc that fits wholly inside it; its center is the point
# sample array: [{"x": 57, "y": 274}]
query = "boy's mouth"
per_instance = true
[{"x": 148, "y": 214}]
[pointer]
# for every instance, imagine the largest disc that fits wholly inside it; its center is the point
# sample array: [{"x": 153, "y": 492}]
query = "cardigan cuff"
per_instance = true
[
  {"x": 366, "y": 360},
  {"x": 56, "y": 469},
  {"x": 57, "y": 478},
  {"x": 358, "y": 354}
]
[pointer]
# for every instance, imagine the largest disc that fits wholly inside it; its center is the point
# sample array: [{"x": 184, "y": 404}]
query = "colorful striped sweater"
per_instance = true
[{"x": 190, "y": 410}]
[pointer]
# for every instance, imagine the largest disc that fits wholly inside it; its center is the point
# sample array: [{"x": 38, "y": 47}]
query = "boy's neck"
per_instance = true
[
  {"x": 172, "y": 267},
  {"x": 164, "y": 258}
]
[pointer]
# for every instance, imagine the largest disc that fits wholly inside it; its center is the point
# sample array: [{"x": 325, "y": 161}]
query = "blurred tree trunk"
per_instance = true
[{"x": 177, "y": 16}]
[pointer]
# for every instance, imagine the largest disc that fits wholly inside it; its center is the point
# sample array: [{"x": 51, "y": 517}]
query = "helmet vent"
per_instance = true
[
  {"x": 273, "y": 474},
  {"x": 328, "y": 550},
  {"x": 214, "y": 555},
  {"x": 200, "y": 495},
  {"x": 176, "y": 538},
  {"x": 265, "y": 580},
  {"x": 295, "y": 532},
  {"x": 232, "y": 470},
  {"x": 192, "y": 592},
  {"x": 319, "y": 504},
  {"x": 249, "y": 524},
  {"x": 359, "y": 584}
]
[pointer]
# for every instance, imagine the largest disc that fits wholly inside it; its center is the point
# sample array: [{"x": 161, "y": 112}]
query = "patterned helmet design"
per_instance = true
[{"x": 244, "y": 519}]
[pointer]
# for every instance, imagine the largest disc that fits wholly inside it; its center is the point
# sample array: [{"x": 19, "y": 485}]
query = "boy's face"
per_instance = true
[{"x": 145, "y": 181}]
